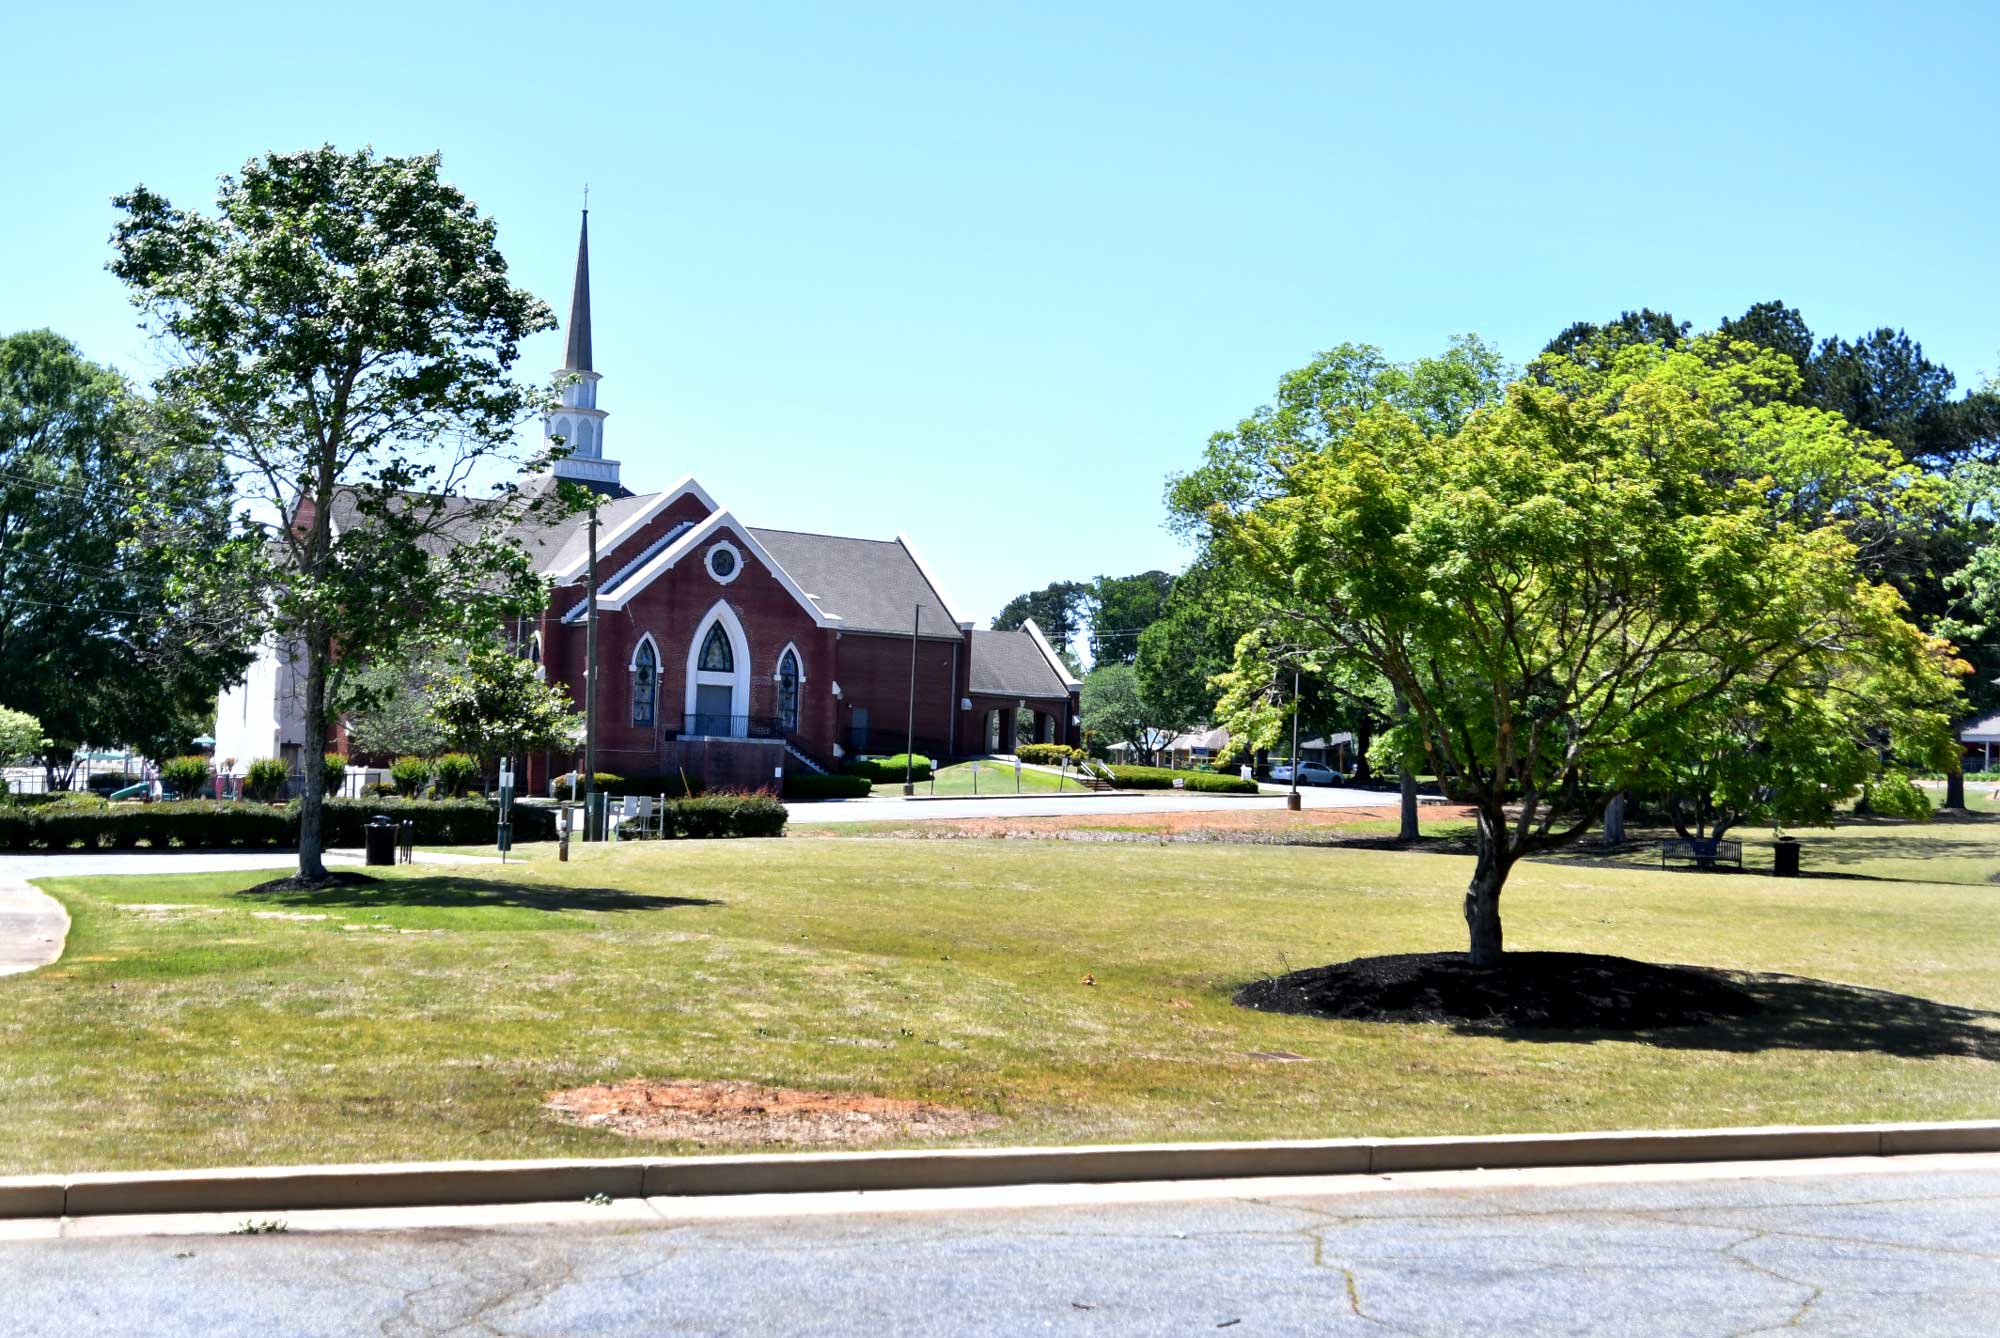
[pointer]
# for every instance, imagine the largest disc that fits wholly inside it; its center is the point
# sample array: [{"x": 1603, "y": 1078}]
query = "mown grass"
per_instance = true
[
  {"x": 993, "y": 777},
  {"x": 428, "y": 1017}
]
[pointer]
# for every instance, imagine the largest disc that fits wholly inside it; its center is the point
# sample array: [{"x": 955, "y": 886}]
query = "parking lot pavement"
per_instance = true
[{"x": 1871, "y": 1248}]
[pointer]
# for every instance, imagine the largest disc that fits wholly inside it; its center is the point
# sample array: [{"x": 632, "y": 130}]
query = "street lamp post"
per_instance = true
[{"x": 1292, "y": 800}]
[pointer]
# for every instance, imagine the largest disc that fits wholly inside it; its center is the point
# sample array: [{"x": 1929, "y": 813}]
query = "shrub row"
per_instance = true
[
  {"x": 709, "y": 816},
  {"x": 206, "y": 823},
  {"x": 883, "y": 770},
  {"x": 1163, "y": 778},
  {"x": 196, "y": 822},
  {"x": 1050, "y": 754},
  {"x": 813, "y": 785}
]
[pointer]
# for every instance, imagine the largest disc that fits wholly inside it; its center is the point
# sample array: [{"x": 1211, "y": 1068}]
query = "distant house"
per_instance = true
[{"x": 1982, "y": 734}]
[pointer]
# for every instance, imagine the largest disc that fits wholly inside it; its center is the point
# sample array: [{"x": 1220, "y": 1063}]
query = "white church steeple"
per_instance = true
[{"x": 578, "y": 420}]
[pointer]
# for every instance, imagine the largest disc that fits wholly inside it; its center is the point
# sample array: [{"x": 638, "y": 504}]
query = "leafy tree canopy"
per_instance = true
[
  {"x": 492, "y": 702},
  {"x": 1113, "y": 711},
  {"x": 345, "y": 333},
  {"x": 20, "y": 736},
  {"x": 1562, "y": 583},
  {"x": 103, "y": 641}
]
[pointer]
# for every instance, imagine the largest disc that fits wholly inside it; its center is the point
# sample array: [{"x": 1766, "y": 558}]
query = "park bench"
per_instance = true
[{"x": 1702, "y": 854}]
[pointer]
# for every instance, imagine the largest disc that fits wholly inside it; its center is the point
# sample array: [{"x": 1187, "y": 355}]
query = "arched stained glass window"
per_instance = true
[
  {"x": 645, "y": 683},
  {"x": 716, "y": 656},
  {"x": 788, "y": 693}
]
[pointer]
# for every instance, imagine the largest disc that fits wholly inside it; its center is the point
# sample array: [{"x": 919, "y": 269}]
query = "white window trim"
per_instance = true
[
  {"x": 632, "y": 668},
  {"x": 737, "y": 681},
  {"x": 646, "y": 639},
  {"x": 791, "y": 648},
  {"x": 708, "y": 561}
]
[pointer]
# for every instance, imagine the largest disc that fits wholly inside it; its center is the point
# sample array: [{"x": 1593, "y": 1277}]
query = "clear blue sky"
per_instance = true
[{"x": 989, "y": 278}]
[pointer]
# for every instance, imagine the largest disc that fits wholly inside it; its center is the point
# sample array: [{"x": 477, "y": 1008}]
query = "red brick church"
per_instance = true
[{"x": 731, "y": 651}]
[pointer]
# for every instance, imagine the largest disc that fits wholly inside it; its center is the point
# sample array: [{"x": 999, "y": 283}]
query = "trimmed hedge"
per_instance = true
[
  {"x": 709, "y": 816},
  {"x": 813, "y": 785},
  {"x": 440, "y": 822},
  {"x": 1049, "y": 754},
  {"x": 566, "y": 785},
  {"x": 205, "y": 823},
  {"x": 1163, "y": 778},
  {"x": 198, "y": 822},
  {"x": 887, "y": 770}
]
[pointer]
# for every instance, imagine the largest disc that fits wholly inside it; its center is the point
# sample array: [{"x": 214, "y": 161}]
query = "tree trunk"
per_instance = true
[
  {"x": 312, "y": 800},
  {"x": 1614, "y": 820},
  {"x": 1409, "y": 783},
  {"x": 1482, "y": 898},
  {"x": 1363, "y": 773},
  {"x": 1954, "y": 787}
]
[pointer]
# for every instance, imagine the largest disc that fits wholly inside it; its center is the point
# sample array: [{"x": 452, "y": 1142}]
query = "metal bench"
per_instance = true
[{"x": 1703, "y": 854}]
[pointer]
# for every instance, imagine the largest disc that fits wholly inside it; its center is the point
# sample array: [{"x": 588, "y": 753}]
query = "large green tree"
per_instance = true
[
  {"x": 345, "y": 332},
  {"x": 1557, "y": 586},
  {"x": 493, "y": 702},
  {"x": 1061, "y": 609},
  {"x": 1121, "y": 609},
  {"x": 103, "y": 641},
  {"x": 1113, "y": 711}
]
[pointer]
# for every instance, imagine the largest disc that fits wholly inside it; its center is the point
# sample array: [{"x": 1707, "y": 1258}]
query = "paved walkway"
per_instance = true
[
  {"x": 1908, "y": 1246},
  {"x": 33, "y": 925}
]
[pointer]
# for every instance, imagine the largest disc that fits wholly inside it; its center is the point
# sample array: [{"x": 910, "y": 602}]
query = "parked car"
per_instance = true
[{"x": 1310, "y": 773}]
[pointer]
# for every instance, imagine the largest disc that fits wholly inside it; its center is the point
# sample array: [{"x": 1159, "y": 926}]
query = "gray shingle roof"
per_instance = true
[
  {"x": 872, "y": 585},
  {"x": 1010, "y": 664}
]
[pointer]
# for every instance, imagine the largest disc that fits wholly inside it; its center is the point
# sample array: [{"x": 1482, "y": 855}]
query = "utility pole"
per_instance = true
[
  {"x": 910, "y": 730},
  {"x": 1292, "y": 800},
  {"x": 590, "y": 682}
]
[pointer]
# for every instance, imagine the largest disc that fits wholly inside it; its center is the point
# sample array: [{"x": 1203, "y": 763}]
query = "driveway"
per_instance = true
[
  {"x": 1868, "y": 1247},
  {"x": 898, "y": 809}
]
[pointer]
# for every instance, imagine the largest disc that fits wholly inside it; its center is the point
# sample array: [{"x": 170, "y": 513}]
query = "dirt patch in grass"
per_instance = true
[
  {"x": 1573, "y": 990},
  {"x": 743, "y": 1112},
  {"x": 1247, "y": 825}
]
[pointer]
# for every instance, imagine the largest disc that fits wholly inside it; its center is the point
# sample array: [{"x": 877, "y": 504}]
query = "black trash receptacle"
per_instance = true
[
  {"x": 379, "y": 840},
  {"x": 1785, "y": 860}
]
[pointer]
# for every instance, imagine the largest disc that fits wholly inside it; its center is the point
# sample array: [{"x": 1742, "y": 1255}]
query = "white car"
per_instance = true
[{"x": 1310, "y": 773}]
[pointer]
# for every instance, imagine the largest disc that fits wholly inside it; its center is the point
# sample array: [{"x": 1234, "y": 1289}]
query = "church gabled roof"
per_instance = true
[
  {"x": 577, "y": 358},
  {"x": 1010, "y": 664},
  {"x": 871, "y": 585}
]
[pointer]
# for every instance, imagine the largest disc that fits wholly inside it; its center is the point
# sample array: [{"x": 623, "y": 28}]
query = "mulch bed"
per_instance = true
[
  {"x": 334, "y": 878},
  {"x": 744, "y": 1112},
  {"x": 1569, "y": 990}
]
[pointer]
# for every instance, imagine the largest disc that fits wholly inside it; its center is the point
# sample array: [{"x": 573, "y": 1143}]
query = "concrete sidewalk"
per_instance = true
[
  {"x": 33, "y": 926},
  {"x": 898, "y": 809}
]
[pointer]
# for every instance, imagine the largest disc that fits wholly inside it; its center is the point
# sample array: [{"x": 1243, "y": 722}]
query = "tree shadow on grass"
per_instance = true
[
  {"x": 451, "y": 891},
  {"x": 1800, "y": 1013}
]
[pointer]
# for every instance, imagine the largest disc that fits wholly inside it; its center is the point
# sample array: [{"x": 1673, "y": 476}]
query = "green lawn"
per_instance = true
[
  {"x": 190, "y": 1025},
  {"x": 993, "y": 778}
]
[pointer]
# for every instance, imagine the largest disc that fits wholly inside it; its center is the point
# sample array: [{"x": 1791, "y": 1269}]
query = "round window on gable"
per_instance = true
[{"x": 724, "y": 562}]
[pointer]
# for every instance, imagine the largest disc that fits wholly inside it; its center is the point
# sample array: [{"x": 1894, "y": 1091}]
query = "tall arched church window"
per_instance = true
[
  {"x": 788, "y": 692},
  {"x": 645, "y": 683},
  {"x": 716, "y": 656}
]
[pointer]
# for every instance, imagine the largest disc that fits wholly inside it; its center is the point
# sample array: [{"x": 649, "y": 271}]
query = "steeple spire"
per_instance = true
[
  {"x": 578, "y": 357},
  {"x": 578, "y": 420}
]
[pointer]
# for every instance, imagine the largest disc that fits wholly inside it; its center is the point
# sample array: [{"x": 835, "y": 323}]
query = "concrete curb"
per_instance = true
[{"x": 401, "y": 1185}]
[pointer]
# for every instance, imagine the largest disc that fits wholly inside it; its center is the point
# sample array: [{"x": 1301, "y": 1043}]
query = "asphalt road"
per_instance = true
[{"x": 1878, "y": 1251}]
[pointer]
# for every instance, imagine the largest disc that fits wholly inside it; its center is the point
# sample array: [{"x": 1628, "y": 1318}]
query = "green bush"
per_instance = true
[
  {"x": 265, "y": 781},
  {"x": 410, "y": 775},
  {"x": 1894, "y": 796},
  {"x": 567, "y": 788},
  {"x": 199, "y": 823},
  {"x": 1163, "y": 778},
  {"x": 454, "y": 774},
  {"x": 813, "y": 785},
  {"x": 1050, "y": 754},
  {"x": 187, "y": 777},
  {"x": 333, "y": 769},
  {"x": 712, "y": 816},
  {"x": 380, "y": 790},
  {"x": 440, "y": 822},
  {"x": 888, "y": 770},
  {"x": 674, "y": 786}
]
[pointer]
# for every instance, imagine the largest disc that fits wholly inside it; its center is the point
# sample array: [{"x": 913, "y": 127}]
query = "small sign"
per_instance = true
[{"x": 1179, "y": 784}]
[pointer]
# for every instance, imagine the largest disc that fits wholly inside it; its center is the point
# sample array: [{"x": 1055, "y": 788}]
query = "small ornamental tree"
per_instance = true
[
  {"x": 20, "y": 736},
  {"x": 1567, "y": 586},
  {"x": 265, "y": 781},
  {"x": 344, "y": 331},
  {"x": 494, "y": 703}
]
